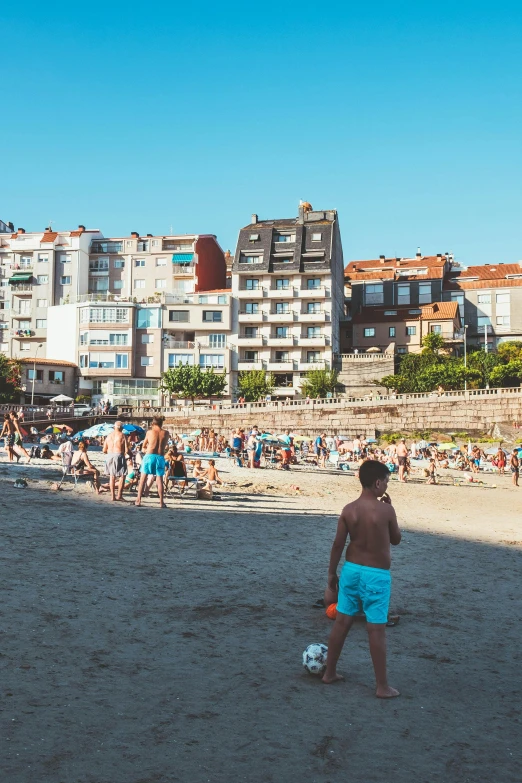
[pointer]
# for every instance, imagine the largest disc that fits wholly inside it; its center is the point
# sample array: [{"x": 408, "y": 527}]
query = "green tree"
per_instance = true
[
  {"x": 433, "y": 343},
  {"x": 509, "y": 374},
  {"x": 319, "y": 383},
  {"x": 10, "y": 379},
  {"x": 253, "y": 385},
  {"x": 191, "y": 382}
]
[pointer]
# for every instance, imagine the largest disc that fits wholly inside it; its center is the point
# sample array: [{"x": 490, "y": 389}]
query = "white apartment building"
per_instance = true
[{"x": 287, "y": 280}]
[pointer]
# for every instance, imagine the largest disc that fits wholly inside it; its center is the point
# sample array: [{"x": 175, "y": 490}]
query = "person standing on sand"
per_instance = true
[
  {"x": 116, "y": 448},
  {"x": 365, "y": 577},
  {"x": 514, "y": 464},
  {"x": 402, "y": 454},
  {"x": 8, "y": 433},
  {"x": 153, "y": 463}
]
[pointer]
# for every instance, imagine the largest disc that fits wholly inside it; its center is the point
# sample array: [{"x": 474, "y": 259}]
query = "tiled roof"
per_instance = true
[
  {"x": 473, "y": 285},
  {"x": 436, "y": 310},
  {"x": 485, "y": 276},
  {"x": 49, "y": 236},
  {"x": 56, "y": 362},
  {"x": 393, "y": 268},
  {"x": 439, "y": 310}
]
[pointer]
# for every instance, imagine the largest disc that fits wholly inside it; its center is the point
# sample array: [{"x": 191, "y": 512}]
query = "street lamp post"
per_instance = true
[
  {"x": 34, "y": 373},
  {"x": 465, "y": 358}
]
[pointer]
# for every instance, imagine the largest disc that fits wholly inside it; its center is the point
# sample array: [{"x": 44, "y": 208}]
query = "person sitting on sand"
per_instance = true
[
  {"x": 371, "y": 525},
  {"x": 213, "y": 477},
  {"x": 198, "y": 471}
]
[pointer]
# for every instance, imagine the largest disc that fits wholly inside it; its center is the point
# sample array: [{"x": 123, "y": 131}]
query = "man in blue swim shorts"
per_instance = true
[
  {"x": 365, "y": 583},
  {"x": 153, "y": 463}
]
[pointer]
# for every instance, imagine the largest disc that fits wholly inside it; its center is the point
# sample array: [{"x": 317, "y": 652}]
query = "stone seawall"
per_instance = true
[{"x": 472, "y": 414}]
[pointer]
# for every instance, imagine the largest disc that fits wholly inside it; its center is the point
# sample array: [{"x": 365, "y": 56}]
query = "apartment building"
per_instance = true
[
  {"x": 6, "y": 228},
  {"x": 149, "y": 303},
  {"x": 402, "y": 329},
  {"x": 43, "y": 379},
  {"x": 490, "y": 301},
  {"x": 38, "y": 270},
  {"x": 287, "y": 282}
]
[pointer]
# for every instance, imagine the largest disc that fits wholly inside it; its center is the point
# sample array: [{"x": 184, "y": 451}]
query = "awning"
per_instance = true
[
  {"x": 182, "y": 258},
  {"x": 21, "y": 277}
]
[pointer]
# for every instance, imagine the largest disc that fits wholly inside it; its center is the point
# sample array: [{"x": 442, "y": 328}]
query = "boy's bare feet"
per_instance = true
[
  {"x": 335, "y": 678},
  {"x": 386, "y": 692}
]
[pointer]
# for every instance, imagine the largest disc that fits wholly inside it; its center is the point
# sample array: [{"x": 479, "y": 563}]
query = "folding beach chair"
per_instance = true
[
  {"x": 175, "y": 485},
  {"x": 70, "y": 471}
]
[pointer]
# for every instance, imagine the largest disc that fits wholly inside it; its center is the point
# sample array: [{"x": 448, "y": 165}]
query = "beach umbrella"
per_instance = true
[
  {"x": 371, "y": 440},
  {"x": 128, "y": 428},
  {"x": 61, "y": 398},
  {"x": 50, "y": 430},
  {"x": 446, "y": 445},
  {"x": 98, "y": 430},
  {"x": 266, "y": 437},
  {"x": 493, "y": 450},
  {"x": 299, "y": 438},
  {"x": 195, "y": 433}
]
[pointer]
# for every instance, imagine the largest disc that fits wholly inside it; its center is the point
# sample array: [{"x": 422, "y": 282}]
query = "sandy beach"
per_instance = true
[{"x": 150, "y": 646}]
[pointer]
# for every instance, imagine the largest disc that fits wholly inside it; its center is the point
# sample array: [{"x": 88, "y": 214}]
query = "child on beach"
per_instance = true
[
  {"x": 431, "y": 473},
  {"x": 365, "y": 577}
]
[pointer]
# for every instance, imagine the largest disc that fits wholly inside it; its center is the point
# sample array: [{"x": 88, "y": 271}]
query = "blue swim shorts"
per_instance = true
[
  {"x": 153, "y": 465},
  {"x": 366, "y": 588}
]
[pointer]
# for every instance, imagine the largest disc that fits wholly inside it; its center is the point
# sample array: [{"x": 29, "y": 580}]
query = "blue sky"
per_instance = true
[{"x": 404, "y": 116}]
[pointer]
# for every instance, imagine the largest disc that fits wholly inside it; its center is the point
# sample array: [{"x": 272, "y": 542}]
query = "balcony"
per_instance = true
[
  {"x": 23, "y": 333},
  {"x": 171, "y": 244},
  {"x": 316, "y": 318},
  {"x": 251, "y": 318},
  {"x": 106, "y": 247},
  {"x": 181, "y": 344},
  {"x": 255, "y": 342},
  {"x": 21, "y": 316},
  {"x": 314, "y": 293},
  {"x": 282, "y": 293},
  {"x": 282, "y": 341},
  {"x": 183, "y": 270},
  {"x": 274, "y": 366},
  {"x": 252, "y": 293},
  {"x": 21, "y": 289},
  {"x": 319, "y": 340},
  {"x": 244, "y": 365},
  {"x": 307, "y": 366},
  {"x": 284, "y": 391},
  {"x": 281, "y": 318}
]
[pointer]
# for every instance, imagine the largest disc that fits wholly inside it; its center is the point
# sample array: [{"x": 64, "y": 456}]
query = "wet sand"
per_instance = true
[{"x": 150, "y": 646}]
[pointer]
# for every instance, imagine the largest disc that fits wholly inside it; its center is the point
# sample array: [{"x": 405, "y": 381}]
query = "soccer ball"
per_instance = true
[{"x": 314, "y": 659}]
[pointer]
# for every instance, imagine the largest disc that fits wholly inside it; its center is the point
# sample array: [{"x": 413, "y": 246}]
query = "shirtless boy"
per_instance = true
[
  {"x": 365, "y": 577},
  {"x": 402, "y": 455},
  {"x": 153, "y": 463}
]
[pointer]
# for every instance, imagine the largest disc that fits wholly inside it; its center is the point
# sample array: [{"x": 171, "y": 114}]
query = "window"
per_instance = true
[
  {"x": 502, "y": 298},
  {"x": 104, "y": 315},
  {"x": 41, "y": 302},
  {"x": 252, "y": 308},
  {"x": 282, "y": 308},
  {"x": 281, "y": 331},
  {"x": 139, "y": 262},
  {"x": 284, "y": 238},
  {"x": 175, "y": 359},
  {"x": 483, "y": 320},
  {"x": 313, "y": 308},
  {"x": 484, "y": 299},
  {"x": 251, "y": 356},
  {"x": 369, "y": 332},
  {"x": 203, "y": 299},
  {"x": 161, "y": 261},
  {"x": 424, "y": 293},
  {"x": 122, "y": 361},
  {"x": 100, "y": 264},
  {"x": 415, "y": 312},
  {"x": 4, "y": 283},
  {"x": 251, "y": 331},
  {"x": 25, "y": 262},
  {"x": 411, "y": 330},
  {"x": 401, "y": 349},
  {"x": 25, "y": 347},
  {"x": 56, "y": 376},
  {"x": 147, "y": 338},
  {"x": 42, "y": 279},
  {"x": 403, "y": 293},
  {"x": 286, "y": 260},
  {"x": 217, "y": 340},
  {"x": 143, "y": 246},
  {"x": 216, "y": 316},
  {"x": 162, "y": 283},
  {"x": 222, "y": 299},
  {"x": 313, "y": 282},
  {"x": 106, "y": 247},
  {"x": 119, "y": 263},
  {"x": 179, "y": 315},
  {"x": 139, "y": 284},
  {"x": 155, "y": 243},
  {"x": 436, "y": 328},
  {"x": 313, "y": 356},
  {"x": 391, "y": 331},
  {"x": 65, "y": 258},
  {"x": 253, "y": 237},
  {"x": 98, "y": 284},
  {"x": 390, "y": 312},
  {"x": 117, "y": 285},
  {"x": 41, "y": 323},
  {"x": 316, "y": 237},
  {"x": 459, "y": 298},
  {"x": 118, "y": 339},
  {"x": 84, "y": 360},
  {"x": 374, "y": 293},
  {"x": 43, "y": 258},
  {"x": 24, "y": 306},
  {"x": 282, "y": 284},
  {"x": 38, "y": 376},
  {"x": 147, "y": 361},
  {"x": 282, "y": 356},
  {"x": 211, "y": 360},
  {"x": 313, "y": 331},
  {"x": 250, "y": 259},
  {"x": 252, "y": 284},
  {"x": 24, "y": 324},
  {"x": 503, "y": 320},
  {"x": 283, "y": 380},
  {"x": 503, "y": 305},
  {"x": 65, "y": 280},
  {"x": 84, "y": 338}
]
